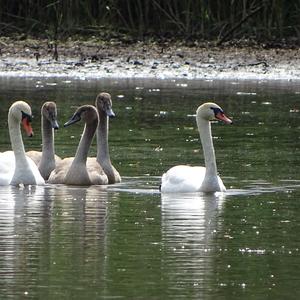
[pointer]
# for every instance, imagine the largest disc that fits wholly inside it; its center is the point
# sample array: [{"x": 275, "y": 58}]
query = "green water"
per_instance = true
[{"x": 126, "y": 241}]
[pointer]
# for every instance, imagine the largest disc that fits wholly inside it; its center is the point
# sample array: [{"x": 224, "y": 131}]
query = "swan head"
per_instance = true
[
  {"x": 211, "y": 111},
  {"x": 104, "y": 104},
  {"x": 87, "y": 113},
  {"x": 20, "y": 112},
  {"x": 49, "y": 111}
]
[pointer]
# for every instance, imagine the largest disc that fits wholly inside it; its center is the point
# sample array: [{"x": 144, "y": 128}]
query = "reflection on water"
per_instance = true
[
  {"x": 189, "y": 223},
  {"x": 22, "y": 213},
  {"x": 127, "y": 240},
  {"x": 50, "y": 233},
  {"x": 182, "y": 212}
]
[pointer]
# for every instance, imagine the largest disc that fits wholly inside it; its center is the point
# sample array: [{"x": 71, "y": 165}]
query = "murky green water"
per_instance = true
[{"x": 126, "y": 241}]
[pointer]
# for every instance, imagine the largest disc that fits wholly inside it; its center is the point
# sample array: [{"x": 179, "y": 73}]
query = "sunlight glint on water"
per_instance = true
[{"x": 126, "y": 240}]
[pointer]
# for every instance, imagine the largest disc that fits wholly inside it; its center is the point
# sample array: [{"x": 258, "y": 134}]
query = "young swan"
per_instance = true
[
  {"x": 73, "y": 170},
  {"x": 46, "y": 160},
  {"x": 15, "y": 167},
  {"x": 183, "y": 179},
  {"x": 103, "y": 104}
]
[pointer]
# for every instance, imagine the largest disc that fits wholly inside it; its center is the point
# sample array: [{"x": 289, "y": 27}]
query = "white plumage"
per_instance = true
[{"x": 185, "y": 179}]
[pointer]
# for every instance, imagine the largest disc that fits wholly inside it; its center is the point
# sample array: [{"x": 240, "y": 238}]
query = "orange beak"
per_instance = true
[
  {"x": 27, "y": 127},
  {"x": 221, "y": 116}
]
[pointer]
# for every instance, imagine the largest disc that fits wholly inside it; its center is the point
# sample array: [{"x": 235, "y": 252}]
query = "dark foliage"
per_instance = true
[{"x": 221, "y": 20}]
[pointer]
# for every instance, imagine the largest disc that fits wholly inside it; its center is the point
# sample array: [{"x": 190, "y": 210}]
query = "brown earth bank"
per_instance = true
[{"x": 97, "y": 59}]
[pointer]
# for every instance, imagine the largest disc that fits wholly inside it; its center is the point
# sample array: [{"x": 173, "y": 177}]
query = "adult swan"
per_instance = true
[
  {"x": 15, "y": 167},
  {"x": 184, "y": 179}
]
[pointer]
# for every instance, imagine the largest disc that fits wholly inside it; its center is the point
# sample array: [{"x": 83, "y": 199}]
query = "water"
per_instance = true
[{"x": 126, "y": 241}]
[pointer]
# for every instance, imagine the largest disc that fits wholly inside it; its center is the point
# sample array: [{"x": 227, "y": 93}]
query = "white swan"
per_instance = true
[
  {"x": 15, "y": 167},
  {"x": 103, "y": 104},
  {"x": 74, "y": 170},
  {"x": 46, "y": 160},
  {"x": 183, "y": 179}
]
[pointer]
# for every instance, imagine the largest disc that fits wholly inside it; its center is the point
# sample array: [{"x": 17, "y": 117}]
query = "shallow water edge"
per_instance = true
[{"x": 229, "y": 64}]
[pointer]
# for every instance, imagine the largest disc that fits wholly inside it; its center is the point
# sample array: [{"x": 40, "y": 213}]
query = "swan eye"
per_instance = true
[
  {"x": 26, "y": 116},
  {"x": 217, "y": 110}
]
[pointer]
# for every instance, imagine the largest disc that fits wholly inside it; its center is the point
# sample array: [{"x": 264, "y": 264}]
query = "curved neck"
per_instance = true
[
  {"x": 17, "y": 143},
  {"x": 85, "y": 143},
  {"x": 48, "y": 141},
  {"x": 208, "y": 148}
]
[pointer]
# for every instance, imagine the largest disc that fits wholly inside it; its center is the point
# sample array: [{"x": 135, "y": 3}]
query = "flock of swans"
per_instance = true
[{"x": 35, "y": 168}]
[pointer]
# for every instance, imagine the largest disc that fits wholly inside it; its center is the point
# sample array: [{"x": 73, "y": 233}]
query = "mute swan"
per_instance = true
[
  {"x": 46, "y": 159},
  {"x": 103, "y": 104},
  {"x": 15, "y": 167},
  {"x": 198, "y": 179},
  {"x": 73, "y": 170}
]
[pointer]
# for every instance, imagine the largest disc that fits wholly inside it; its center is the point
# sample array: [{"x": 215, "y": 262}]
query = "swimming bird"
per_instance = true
[
  {"x": 46, "y": 159},
  {"x": 182, "y": 178},
  {"x": 103, "y": 104},
  {"x": 74, "y": 170},
  {"x": 15, "y": 167}
]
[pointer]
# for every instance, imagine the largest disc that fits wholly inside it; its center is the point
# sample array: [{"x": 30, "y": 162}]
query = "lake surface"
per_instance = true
[{"x": 127, "y": 241}]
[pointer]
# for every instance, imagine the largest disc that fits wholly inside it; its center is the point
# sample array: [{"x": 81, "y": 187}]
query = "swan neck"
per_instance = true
[
  {"x": 17, "y": 142},
  {"x": 85, "y": 143},
  {"x": 47, "y": 140},
  {"x": 102, "y": 139},
  {"x": 207, "y": 146}
]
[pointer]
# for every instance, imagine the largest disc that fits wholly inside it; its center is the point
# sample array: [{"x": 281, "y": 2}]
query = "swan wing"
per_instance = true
[
  {"x": 92, "y": 174},
  {"x": 59, "y": 173},
  {"x": 57, "y": 158},
  {"x": 182, "y": 179},
  {"x": 36, "y": 156},
  {"x": 221, "y": 185},
  {"x": 96, "y": 173},
  {"x": 39, "y": 180},
  {"x": 117, "y": 176},
  {"x": 45, "y": 166},
  {"x": 106, "y": 168},
  {"x": 7, "y": 167}
]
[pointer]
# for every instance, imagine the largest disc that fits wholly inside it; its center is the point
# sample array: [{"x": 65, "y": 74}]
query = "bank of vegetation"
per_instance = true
[{"x": 129, "y": 20}]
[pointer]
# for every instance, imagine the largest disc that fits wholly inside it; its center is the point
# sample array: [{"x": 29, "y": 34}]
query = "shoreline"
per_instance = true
[{"x": 95, "y": 60}]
